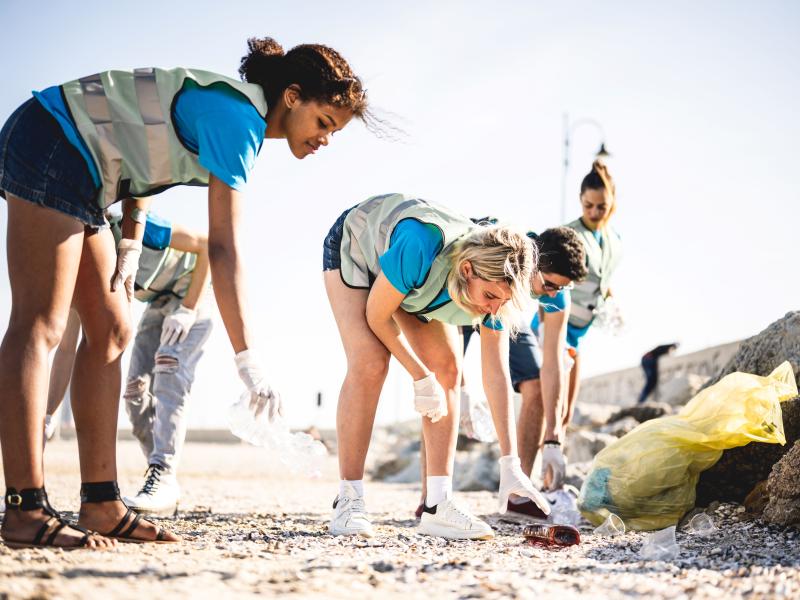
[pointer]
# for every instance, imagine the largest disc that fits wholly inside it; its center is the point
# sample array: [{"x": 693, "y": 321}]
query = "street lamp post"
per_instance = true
[{"x": 569, "y": 131}]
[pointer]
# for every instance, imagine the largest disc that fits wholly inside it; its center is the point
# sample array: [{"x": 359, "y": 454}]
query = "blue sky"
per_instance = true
[{"x": 698, "y": 102}]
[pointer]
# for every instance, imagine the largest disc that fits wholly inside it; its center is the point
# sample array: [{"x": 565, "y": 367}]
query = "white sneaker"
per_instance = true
[
  {"x": 350, "y": 515},
  {"x": 159, "y": 494},
  {"x": 450, "y": 520}
]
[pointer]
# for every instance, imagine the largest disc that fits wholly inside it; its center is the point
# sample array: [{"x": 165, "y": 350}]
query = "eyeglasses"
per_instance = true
[{"x": 552, "y": 287}]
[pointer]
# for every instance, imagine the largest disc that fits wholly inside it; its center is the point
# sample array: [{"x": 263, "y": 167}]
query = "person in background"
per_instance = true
[
  {"x": 172, "y": 278},
  {"x": 650, "y": 368},
  {"x": 603, "y": 248},
  {"x": 537, "y": 371}
]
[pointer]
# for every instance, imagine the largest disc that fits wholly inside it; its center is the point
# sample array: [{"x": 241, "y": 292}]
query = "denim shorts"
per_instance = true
[
  {"x": 331, "y": 247},
  {"x": 39, "y": 164},
  {"x": 523, "y": 355}
]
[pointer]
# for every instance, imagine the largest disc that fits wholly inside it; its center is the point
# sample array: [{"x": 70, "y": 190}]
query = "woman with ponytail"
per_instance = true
[
  {"x": 603, "y": 252},
  {"x": 66, "y": 155}
]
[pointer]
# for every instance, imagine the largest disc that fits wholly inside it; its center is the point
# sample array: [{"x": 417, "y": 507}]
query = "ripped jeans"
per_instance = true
[{"x": 160, "y": 379}]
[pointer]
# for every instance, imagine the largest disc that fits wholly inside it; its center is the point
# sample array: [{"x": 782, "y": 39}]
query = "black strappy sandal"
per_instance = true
[
  {"x": 108, "y": 491},
  {"x": 36, "y": 498}
]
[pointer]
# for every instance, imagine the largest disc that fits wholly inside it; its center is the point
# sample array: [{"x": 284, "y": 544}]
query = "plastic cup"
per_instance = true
[
  {"x": 701, "y": 524},
  {"x": 660, "y": 545},
  {"x": 612, "y": 526}
]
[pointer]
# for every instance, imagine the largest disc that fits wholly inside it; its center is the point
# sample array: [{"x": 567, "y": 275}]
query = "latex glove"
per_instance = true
[
  {"x": 128, "y": 253},
  {"x": 262, "y": 396},
  {"x": 177, "y": 325},
  {"x": 554, "y": 466},
  {"x": 429, "y": 398},
  {"x": 514, "y": 481}
]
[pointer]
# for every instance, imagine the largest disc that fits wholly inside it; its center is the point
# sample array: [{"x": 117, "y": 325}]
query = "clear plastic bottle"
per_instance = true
[{"x": 298, "y": 451}]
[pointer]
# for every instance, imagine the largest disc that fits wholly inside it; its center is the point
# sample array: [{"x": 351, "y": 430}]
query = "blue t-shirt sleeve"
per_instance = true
[
  {"x": 490, "y": 323},
  {"x": 556, "y": 304},
  {"x": 412, "y": 249},
  {"x": 157, "y": 233},
  {"x": 223, "y": 128},
  {"x": 228, "y": 143}
]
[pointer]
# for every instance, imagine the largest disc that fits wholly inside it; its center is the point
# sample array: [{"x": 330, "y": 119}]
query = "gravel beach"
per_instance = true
[{"x": 252, "y": 528}]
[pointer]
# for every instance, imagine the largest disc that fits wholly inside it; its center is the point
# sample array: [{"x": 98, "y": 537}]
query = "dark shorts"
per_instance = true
[
  {"x": 331, "y": 247},
  {"x": 39, "y": 164},
  {"x": 523, "y": 355}
]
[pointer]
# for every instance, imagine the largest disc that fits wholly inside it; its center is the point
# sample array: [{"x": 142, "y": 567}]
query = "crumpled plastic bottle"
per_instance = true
[
  {"x": 298, "y": 451},
  {"x": 476, "y": 418},
  {"x": 563, "y": 508},
  {"x": 608, "y": 317}
]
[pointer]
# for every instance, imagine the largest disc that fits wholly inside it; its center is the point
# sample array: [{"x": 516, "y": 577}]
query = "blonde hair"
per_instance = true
[{"x": 496, "y": 253}]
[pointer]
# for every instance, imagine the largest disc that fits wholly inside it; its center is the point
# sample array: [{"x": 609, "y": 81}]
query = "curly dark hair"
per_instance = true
[
  {"x": 561, "y": 252},
  {"x": 321, "y": 73}
]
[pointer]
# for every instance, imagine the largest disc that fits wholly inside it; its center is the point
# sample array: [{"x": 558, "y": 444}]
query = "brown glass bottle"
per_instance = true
[{"x": 552, "y": 535}]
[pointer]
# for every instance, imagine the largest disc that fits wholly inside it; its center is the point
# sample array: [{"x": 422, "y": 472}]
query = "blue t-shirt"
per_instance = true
[
  {"x": 407, "y": 262},
  {"x": 550, "y": 305},
  {"x": 217, "y": 123},
  {"x": 157, "y": 232}
]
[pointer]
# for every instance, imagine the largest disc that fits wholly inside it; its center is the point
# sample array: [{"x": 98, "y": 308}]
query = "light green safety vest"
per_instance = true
[
  {"x": 126, "y": 120},
  {"x": 589, "y": 294},
  {"x": 161, "y": 271},
  {"x": 367, "y": 233}
]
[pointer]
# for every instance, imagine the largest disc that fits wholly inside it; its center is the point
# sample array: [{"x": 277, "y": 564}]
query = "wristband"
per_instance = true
[{"x": 552, "y": 443}]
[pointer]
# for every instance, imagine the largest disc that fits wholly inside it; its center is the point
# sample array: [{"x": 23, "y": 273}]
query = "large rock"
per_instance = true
[
  {"x": 783, "y": 487},
  {"x": 590, "y": 414},
  {"x": 681, "y": 388},
  {"x": 740, "y": 469},
  {"x": 643, "y": 412},
  {"x": 477, "y": 469},
  {"x": 583, "y": 446}
]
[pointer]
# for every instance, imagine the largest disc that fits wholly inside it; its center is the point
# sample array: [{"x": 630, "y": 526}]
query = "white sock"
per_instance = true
[
  {"x": 358, "y": 486},
  {"x": 439, "y": 488}
]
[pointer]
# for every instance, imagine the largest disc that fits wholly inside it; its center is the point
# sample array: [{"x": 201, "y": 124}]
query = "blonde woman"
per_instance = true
[{"x": 401, "y": 274}]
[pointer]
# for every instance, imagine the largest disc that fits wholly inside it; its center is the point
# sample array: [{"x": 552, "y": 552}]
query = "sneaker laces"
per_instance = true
[
  {"x": 152, "y": 479},
  {"x": 461, "y": 513}
]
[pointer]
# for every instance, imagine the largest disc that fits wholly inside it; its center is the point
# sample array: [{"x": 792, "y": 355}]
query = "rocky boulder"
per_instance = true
[
  {"x": 740, "y": 469},
  {"x": 643, "y": 412},
  {"x": 583, "y": 446},
  {"x": 681, "y": 388},
  {"x": 783, "y": 488}
]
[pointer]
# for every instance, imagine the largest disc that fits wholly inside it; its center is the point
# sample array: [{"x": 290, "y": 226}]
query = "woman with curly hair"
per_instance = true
[
  {"x": 65, "y": 156},
  {"x": 401, "y": 274}
]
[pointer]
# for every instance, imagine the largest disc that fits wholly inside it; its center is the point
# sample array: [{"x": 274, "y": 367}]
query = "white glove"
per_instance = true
[
  {"x": 554, "y": 466},
  {"x": 514, "y": 481},
  {"x": 128, "y": 253},
  {"x": 261, "y": 394},
  {"x": 177, "y": 325},
  {"x": 429, "y": 398}
]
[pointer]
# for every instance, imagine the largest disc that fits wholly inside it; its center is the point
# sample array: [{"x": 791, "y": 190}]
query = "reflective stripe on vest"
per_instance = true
[
  {"x": 588, "y": 295},
  {"x": 367, "y": 234},
  {"x": 125, "y": 119}
]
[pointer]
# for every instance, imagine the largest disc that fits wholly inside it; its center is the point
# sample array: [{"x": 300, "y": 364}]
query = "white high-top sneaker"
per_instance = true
[
  {"x": 350, "y": 515},
  {"x": 450, "y": 520},
  {"x": 159, "y": 494}
]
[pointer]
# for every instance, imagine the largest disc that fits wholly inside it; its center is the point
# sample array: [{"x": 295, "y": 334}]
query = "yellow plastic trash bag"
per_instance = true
[{"x": 648, "y": 477}]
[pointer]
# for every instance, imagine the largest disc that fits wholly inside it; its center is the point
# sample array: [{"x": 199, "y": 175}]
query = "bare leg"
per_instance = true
[
  {"x": 530, "y": 428},
  {"x": 440, "y": 348},
  {"x": 44, "y": 249},
  {"x": 96, "y": 380},
  {"x": 63, "y": 361},
  {"x": 367, "y": 365},
  {"x": 574, "y": 388}
]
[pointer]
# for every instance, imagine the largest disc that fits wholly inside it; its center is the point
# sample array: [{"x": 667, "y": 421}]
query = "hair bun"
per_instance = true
[{"x": 263, "y": 55}]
